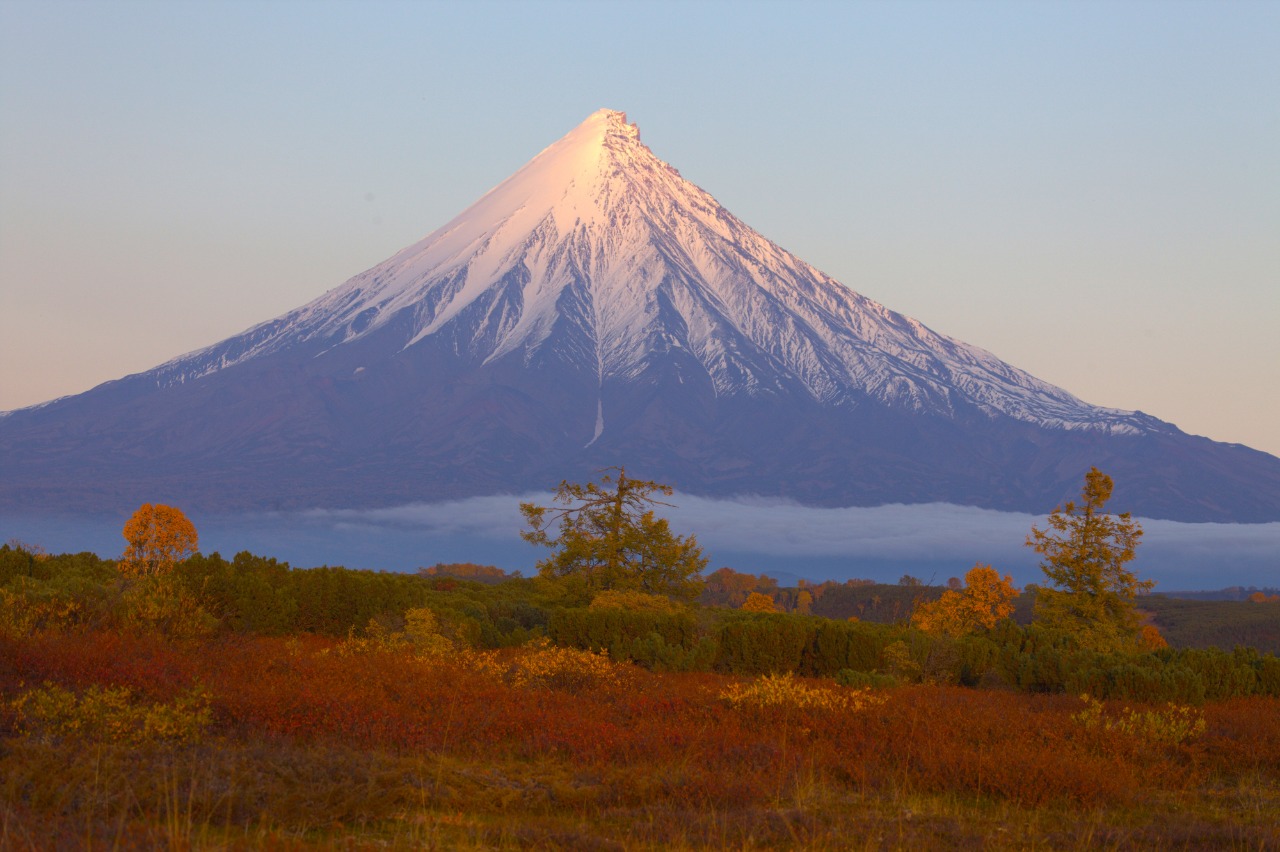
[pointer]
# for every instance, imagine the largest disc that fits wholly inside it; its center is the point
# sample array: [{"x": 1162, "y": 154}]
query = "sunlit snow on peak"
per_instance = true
[{"x": 598, "y": 238}]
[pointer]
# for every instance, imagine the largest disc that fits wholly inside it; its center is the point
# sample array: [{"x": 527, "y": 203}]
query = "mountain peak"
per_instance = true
[
  {"x": 614, "y": 120},
  {"x": 601, "y": 252}
]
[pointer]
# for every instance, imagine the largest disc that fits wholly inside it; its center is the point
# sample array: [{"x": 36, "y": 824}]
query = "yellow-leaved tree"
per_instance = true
[
  {"x": 158, "y": 537},
  {"x": 985, "y": 600}
]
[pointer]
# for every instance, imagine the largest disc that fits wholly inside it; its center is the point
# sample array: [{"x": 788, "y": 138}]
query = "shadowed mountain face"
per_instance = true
[{"x": 597, "y": 309}]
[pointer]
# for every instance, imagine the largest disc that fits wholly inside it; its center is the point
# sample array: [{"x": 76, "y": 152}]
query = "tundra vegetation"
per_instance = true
[{"x": 241, "y": 703}]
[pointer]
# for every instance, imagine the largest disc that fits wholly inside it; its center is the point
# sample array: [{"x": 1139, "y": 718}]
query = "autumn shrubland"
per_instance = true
[
  {"x": 618, "y": 700},
  {"x": 252, "y": 705}
]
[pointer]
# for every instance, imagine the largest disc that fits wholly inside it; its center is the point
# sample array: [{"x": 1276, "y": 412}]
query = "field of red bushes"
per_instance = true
[{"x": 306, "y": 741}]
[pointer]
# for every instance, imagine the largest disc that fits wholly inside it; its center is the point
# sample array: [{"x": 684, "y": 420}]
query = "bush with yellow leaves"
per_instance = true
[
  {"x": 541, "y": 665},
  {"x": 758, "y": 602},
  {"x": 28, "y": 607},
  {"x": 1172, "y": 724},
  {"x": 985, "y": 600},
  {"x": 51, "y": 713},
  {"x": 634, "y": 601},
  {"x": 421, "y": 636},
  {"x": 788, "y": 691}
]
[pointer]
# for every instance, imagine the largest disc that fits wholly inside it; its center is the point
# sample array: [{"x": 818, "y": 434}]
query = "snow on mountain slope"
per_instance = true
[
  {"x": 597, "y": 309},
  {"x": 597, "y": 226}
]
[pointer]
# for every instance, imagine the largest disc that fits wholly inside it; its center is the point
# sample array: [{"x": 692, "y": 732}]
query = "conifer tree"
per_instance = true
[
  {"x": 609, "y": 538},
  {"x": 1085, "y": 552}
]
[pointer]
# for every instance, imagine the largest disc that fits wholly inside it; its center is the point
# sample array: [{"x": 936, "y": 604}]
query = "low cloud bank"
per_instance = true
[
  {"x": 931, "y": 541},
  {"x": 880, "y": 542}
]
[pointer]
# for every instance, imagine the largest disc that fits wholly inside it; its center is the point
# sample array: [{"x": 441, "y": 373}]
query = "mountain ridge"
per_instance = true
[{"x": 596, "y": 308}]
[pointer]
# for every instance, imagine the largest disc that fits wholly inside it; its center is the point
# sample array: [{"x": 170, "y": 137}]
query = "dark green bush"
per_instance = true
[
  {"x": 865, "y": 680},
  {"x": 656, "y": 653},
  {"x": 1268, "y": 669},
  {"x": 764, "y": 644},
  {"x": 819, "y": 647},
  {"x": 1223, "y": 674},
  {"x": 838, "y": 645},
  {"x": 597, "y": 629},
  {"x": 976, "y": 658}
]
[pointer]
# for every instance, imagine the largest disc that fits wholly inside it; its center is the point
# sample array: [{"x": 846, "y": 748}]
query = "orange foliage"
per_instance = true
[
  {"x": 467, "y": 571},
  {"x": 757, "y": 602},
  {"x": 158, "y": 537},
  {"x": 726, "y": 587},
  {"x": 1149, "y": 638},
  {"x": 985, "y": 601}
]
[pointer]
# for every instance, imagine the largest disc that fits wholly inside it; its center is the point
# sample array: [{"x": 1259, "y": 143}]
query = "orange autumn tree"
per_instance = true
[
  {"x": 758, "y": 602},
  {"x": 159, "y": 537},
  {"x": 985, "y": 600},
  {"x": 1149, "y": 638}
]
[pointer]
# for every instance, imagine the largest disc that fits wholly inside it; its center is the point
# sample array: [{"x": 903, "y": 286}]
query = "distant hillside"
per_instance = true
[
  {"x": 1231, "y": 593},
  {"x": 1216, "y": 623},
  {"x": 880, "y": 603}
]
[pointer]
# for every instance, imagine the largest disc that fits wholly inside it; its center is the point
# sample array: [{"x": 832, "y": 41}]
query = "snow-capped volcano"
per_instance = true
[
  {"x": 597, "y": 308},
  {"x": 598, "y": 233}
]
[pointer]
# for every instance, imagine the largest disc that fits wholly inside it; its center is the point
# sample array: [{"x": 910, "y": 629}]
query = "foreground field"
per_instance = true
[{"x": 119, "y": 740}]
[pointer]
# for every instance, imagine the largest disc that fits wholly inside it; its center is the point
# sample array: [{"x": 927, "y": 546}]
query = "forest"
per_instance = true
[{"x": 173, "y": 699}]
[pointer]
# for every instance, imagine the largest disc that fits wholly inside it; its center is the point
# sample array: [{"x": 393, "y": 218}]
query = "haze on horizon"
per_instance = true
[{"x": 1090, "y": 192}]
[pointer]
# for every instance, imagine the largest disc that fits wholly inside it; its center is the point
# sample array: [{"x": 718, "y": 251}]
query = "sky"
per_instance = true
[{"x": 1090, "y": 190}]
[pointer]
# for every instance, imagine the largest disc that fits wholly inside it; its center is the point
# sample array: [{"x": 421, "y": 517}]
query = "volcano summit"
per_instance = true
[{"x": 595, "y": 309}]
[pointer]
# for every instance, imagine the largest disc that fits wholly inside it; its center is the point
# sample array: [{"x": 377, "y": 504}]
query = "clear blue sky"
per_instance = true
[{"x": 1091, "y": 190}]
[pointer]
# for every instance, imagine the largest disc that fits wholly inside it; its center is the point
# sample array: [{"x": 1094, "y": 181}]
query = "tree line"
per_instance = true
[{"x": 617, "y": 579}]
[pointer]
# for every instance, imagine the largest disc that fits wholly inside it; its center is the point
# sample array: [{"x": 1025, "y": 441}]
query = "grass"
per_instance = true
[{"x": 545, "y": 804}]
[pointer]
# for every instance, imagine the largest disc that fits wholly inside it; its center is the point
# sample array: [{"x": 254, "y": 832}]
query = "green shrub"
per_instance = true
[
  {"x": 865, "y": 680},
  {"x": 1268, "y": 670},
  {"x": 668, "y": 641},
  {"x": 763, "y": 644},
  {"x": 654, "y": 652},
  {"x": 898, "y": 661},
  {"x": 162, "y": 604},
  {"x": 838, "y": 645},
  {"x": 1224, "y": 675},
  {"x": 977, "y": 657}
]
